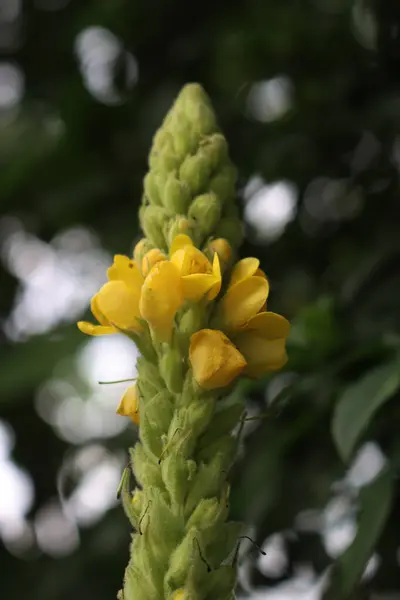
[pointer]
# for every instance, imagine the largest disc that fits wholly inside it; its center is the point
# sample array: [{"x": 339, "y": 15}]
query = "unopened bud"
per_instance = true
[
  {"x": 216, "y": 149},
  {"x": 150, "y": 259},
  {"x": 195, "y": 171},
  {"x": 142, "y": 247},
  {"x": 179, "y": 225},
  {"x": 176, "y": 195},
  {"x": 223, "y": 184},
  {"x": 171, "y": 370},
  {"x": 222, "y": 248},
  {"x": 206, "y": 211},
  {"x": 129, "y": 404},
  {"x": 151, "y": 189},
  {"x": 152, "y": 219}
]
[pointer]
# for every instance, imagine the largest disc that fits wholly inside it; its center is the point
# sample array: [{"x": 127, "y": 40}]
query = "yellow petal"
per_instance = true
[
  {"x": 179, "y": 242},
  {"x": 215, "y": 361},
  {"x": 222, "y": 248},
  {"x": 243, "y": 301},
  {"x": 97, "y": 313},
  {"x": 243, "y": 269},
  {"x": 119, "y": 304},
  {"x": 179, "y": 594},
  {"x": 262, "y": 355},
  {"x": 91, "y": 329},
  {"x": 190, "y": 261},
  {"x": 150, "y": 259},
  {"x": 129, "y": 404},
  {"x": 161, "y": 297},
  {"x": 269, "y": 325},
  {"x": 126, "y": 270},
  {"x": 216, "y": 287},
  {"x": 196, "y": 287}
]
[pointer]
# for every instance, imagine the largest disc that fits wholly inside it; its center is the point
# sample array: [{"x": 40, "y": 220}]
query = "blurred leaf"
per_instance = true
[
  {"x": 375, "y": 504},
  {"x": 359, "y": 402}
]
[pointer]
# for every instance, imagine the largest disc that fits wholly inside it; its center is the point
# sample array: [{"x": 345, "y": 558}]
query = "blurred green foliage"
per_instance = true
[{"x": 71, "y": 159}]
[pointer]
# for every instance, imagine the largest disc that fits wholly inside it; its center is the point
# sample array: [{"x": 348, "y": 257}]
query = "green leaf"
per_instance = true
[
  {"x": 375, "y": 504},
  {"x": 358, "y": 404}
]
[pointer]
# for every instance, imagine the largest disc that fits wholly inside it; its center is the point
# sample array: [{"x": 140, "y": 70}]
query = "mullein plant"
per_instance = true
[{"x": 200, "y": 322}]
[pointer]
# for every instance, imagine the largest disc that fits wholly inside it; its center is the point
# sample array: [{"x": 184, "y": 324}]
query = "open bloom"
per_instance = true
[
  {"x": 199, "y": 278},
  {"x": 260, "y": 335},
  {"x": 215, "y": 360},
  {"x": 128, "y": 297},
  {"x": 257, "y": 338}
]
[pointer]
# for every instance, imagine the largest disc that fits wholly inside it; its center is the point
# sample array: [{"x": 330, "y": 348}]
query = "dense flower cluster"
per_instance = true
[{"x": 246, "y": 338}]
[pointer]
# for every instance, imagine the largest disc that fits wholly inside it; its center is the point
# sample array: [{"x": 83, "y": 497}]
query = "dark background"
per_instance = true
[{"x": 307, "y": 94}]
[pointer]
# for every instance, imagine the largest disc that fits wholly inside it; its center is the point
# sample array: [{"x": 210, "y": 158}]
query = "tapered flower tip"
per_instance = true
[
  {"x": 223, "y": 248},
  {"x": 215, "y": 361},
  {"x": 129, "y": 404}
]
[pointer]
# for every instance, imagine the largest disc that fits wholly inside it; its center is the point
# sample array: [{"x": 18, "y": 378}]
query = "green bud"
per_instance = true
[
  {"x": 137, "y": 585},
  {"x": 151, "y": 189},
  {"x": 220, "y": 582},
  {"x": 145, "y": 466},
  {"x": 223, "y": 184},
  {"x": 216, "y": 149},
  {"x": 147, "y": 562},
  {"x": 171, "y": 370},
  {"x": 230, "y": 229},
  {"x": 175, "y": 473},
  {"x": 152, "y": 219},
  {"x": 206, "y": 482},
  {"x": 195, "y": 171},
  {"x": 192, "y": 320},
  {"x": 225, "y": 418},
  {"x": 179, "y": 225},
  {"x": 206, "y": 211},
  {"x": 155, "y": 417},
  {"x": 182, "y": 558},
  {"x": 209, "y": 510},
  {"x": 176, "y": 195},
  {"x": 142, "y": 247},
  {"x": 220, "y": 546},
  {"x": 224, "y": 445}
]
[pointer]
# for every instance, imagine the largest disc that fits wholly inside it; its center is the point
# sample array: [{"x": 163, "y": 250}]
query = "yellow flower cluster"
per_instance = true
[{"x": 246, "y": 338}]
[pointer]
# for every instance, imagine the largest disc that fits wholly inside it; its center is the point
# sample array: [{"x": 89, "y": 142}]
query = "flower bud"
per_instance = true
[
  {"x": 176, "y": 195},
  {"x": 142, "y": 247},
  {"x": 191, "y": 320},
  {"x": 206, "y": 211},
  {"x": 152, "y": 219},
  {"x": 129, "y": 404},
  {"x": 215, "y": 148},
  {"x": 177, "y": 226},
  {"x": 223, "y": 183},
  {"x": 222, "y": 248},
  {"x": 151, "y": 189},
  {"x": 171, "y": 370},
  {"x": 150, "y": 259},
  {"x": 195, "y": 171}
]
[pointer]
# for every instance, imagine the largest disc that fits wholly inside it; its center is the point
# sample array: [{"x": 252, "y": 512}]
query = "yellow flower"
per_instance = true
[
  {"x": 199, "y": 278},
  {"x": 129, "y": 404},
  {"x": 262, "y": 343},
  {"x": 150, "y": 259},
  {"x": 161, "y": 297},
  {"x": 116, "y": 304},
  {"x": 179, "y": 594},
  {"x": 128, "y": 297},
  {"x": 222, "y": 248},
  {"x": 215, "y": 361},
  {"x": 259, "y": 335}
]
